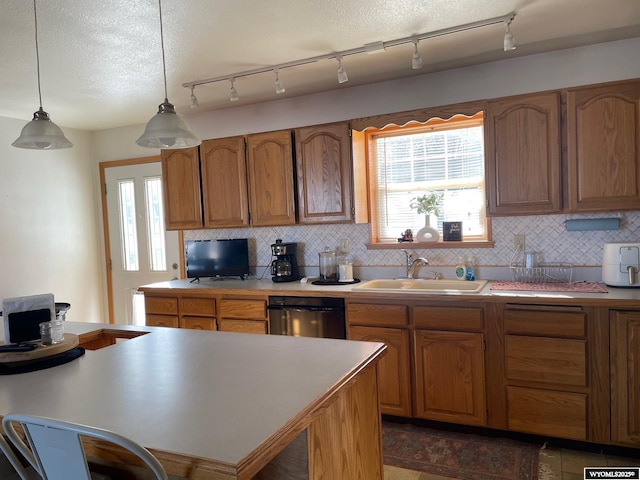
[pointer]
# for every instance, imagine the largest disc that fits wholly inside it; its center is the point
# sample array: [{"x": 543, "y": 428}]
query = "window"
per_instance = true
[
  {"x": 446, "y": 157},
  {"x": 128, "y": 228}
]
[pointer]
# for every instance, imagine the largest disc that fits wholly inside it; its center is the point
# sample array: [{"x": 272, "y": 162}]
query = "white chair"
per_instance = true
[{"x": 55, "y": 451}]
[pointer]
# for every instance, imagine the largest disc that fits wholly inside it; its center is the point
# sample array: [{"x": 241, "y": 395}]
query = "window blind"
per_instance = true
[{"x": 449, "y": 161}]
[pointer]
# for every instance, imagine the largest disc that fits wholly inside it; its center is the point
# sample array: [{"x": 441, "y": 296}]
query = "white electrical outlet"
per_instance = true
[{"x": 518, "y": 242}]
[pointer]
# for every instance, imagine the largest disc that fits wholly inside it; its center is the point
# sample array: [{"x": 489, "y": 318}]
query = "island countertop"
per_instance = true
[{"x": 223, "y": 399}]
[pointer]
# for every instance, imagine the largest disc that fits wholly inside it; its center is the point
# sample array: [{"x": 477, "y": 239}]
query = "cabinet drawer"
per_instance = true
[
  {"x": 544, "y": 412},
  {"x": 255, "y": 309},
  {"x": 198, "y": 323},
  {"x": 373, "y": 314},
  {"x": 553, "y": 324},
  {"x": 162, "y": 321},
  {"x": 447, "y": 318},
  {"x": 549, "y": 360},
  {"x": 243, "y": 326},
  {"x": 198, "y": 306},
  {"x": 161, "y": 305}
]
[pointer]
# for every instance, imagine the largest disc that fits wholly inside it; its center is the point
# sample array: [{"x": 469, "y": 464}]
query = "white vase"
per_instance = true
[{"x": 427, "y": 233}]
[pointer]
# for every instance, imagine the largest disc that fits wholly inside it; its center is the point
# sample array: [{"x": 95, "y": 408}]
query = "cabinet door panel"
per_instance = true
[
  {"x": 625, "y": 378},
  {"x": 523, "y": 160},
  {"x": 374, "y": 314},
  {"x": 323, "y": 159},
  {"x": 197, "y": 306},
  {"x": 393, "y": 369},
  {"x": 181, "y": 181},
  {"x": 449, "y": 369},
  {"x": 603, "y": 149},
  {"x": 243, "y": 326},
  {"x": 161, "y": 305},
  {"x": 198, "y": 323},
  {"x": 270, "y": 165},
  {"x": 162, "y": 321},
  {"x": 243, "y": 308},
  {"x": 224, "y": 183},
  {"x": 548, "y": 360},
  {"x": 545, "y": 412}
]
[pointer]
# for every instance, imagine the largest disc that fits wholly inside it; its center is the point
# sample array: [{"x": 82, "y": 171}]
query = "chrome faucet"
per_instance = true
[
  {"x": 420, "y": 261},
  {"x": 412, "y": 263}
]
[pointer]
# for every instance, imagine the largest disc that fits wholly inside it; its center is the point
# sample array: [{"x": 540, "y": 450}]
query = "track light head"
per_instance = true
[
  {"x": 279, "y": 86},
  {"x": 233, "y": 93},
  {"x": 509, "y": 43},
  {"x": 342, "y": 75},
  {"x": 416, "y": 61},
  {"x": 194, "y": 99}
]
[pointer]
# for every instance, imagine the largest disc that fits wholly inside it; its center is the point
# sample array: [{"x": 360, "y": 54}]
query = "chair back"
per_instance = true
[{"x": 55, "y": 449}]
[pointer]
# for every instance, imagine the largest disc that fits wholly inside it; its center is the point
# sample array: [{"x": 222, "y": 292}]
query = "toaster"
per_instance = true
[{"x": 620, "y": 264}]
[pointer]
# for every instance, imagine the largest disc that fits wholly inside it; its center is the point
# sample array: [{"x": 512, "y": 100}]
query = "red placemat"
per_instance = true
[{"x": 581, "y": 287}]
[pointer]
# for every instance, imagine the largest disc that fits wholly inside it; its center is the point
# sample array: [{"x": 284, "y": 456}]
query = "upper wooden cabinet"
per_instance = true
[
  {"x": 224, "y": 183},
  {"x": 603, "y": 145},
  {"x": 181, "y": 180},
  {"x": 323, "y": 161},
  {"x": 270, "y": 165},
  {"x": 522, "y": 150}
]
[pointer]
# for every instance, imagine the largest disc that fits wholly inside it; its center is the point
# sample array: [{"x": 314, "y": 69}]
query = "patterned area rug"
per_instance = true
[{"x": 458, "y": 455}]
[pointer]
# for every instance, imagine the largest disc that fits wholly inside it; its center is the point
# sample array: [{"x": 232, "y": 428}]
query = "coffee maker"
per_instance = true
[{"x": 285, "y": 266}]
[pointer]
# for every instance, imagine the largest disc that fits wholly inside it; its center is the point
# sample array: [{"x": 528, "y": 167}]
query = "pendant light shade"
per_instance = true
[
  {"x": 41, "y": 133},
  {"x": 167, "y": 129}
]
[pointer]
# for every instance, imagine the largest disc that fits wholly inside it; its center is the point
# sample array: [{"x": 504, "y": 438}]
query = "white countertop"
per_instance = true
[
  {"x": 213, "y": 395},
  {"x": 624, "y": 296}
]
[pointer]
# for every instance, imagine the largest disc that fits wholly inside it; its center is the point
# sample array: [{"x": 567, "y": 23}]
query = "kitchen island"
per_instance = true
[{"x": 218, "y": 405}]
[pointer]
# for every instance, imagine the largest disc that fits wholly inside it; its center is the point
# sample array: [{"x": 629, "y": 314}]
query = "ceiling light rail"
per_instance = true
[{"x": 375, "y": 47}]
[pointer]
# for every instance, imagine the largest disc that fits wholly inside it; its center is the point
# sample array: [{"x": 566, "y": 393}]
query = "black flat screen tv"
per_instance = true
[{"x": 217, "y": 258}]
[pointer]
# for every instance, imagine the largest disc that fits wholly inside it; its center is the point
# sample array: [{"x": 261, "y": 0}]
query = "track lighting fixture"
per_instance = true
[
  {"x": 416, "y": 61},
  {"x": 509, "y": 43},
  {"x": 376, "y": 47},
  {"x": 194, "y": 99},
  {"x": 167, "y": 129},
  {"x": 342, "y": 75},
  {"x": 233, "y": 93},
  {"x": 41, "y": 133},
  {"x": 279, "y": 86}
]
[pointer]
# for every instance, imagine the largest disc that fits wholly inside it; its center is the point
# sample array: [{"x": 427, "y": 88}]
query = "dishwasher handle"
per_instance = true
[{"x": 305, "y": 308}]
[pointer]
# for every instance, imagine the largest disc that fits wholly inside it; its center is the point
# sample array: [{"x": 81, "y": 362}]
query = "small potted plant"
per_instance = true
[{"x": 427, "y": 204}]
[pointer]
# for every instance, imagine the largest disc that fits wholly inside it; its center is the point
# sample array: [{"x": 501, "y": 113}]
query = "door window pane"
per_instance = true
[
  {"x": 155, "y": 224},
  {"x": 126, "y": 196}
]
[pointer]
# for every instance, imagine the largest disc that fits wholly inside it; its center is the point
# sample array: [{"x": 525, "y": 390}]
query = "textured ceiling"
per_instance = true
[{"x": 101, "y": 61}]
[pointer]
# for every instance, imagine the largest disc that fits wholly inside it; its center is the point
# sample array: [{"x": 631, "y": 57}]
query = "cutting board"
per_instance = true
[{"x": 70, "y": 341}]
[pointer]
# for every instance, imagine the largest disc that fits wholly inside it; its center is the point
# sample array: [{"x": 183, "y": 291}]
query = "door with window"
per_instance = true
[{"x": 141, "y": 250}]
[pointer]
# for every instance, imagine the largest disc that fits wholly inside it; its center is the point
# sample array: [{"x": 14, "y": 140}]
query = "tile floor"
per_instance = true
[{"x": 555, "y": 464}]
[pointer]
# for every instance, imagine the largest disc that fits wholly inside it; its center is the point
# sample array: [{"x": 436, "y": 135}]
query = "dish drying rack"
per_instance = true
[
  {"x": 544, "y": 273},
  {"x": 541, "y": 273}
]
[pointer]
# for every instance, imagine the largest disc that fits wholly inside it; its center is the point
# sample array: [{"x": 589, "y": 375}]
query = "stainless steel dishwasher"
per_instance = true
[{"x": 307, "y": 317}]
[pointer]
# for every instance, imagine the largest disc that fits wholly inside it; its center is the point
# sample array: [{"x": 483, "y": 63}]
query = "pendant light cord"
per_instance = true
[
  {"x": 164, "y": 66},
  {"x": 35, "y": 17}
]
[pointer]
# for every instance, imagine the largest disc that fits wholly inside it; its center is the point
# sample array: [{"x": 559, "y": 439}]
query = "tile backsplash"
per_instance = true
[{"x": 544, "y": 234}]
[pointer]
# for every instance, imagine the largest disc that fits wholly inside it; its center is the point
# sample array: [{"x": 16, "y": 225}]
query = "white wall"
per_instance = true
[
  {"x": 49, "y": 231},
  {"x": 579, "y": 66}
]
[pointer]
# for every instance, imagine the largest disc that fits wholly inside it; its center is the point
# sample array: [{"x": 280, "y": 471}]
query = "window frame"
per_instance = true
[{"x": 433, "y": 123}]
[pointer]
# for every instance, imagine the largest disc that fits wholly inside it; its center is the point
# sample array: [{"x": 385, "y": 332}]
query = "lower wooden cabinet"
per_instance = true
[
  {"x": 625, "y": 378},
  {"x": 243, "y": 315},
  {"x": 449, "y": 377},
  {"x": 180, "y": 311},
  {"x": 393, "y": 369}
]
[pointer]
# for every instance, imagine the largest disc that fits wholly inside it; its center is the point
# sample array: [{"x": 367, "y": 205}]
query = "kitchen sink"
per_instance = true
[{"x": 421, "y": 286}]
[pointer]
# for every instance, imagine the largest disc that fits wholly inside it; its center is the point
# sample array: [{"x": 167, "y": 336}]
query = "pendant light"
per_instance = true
[
  {"x": 167, "y": 129},
  {"x": 41, "y": 133}
]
